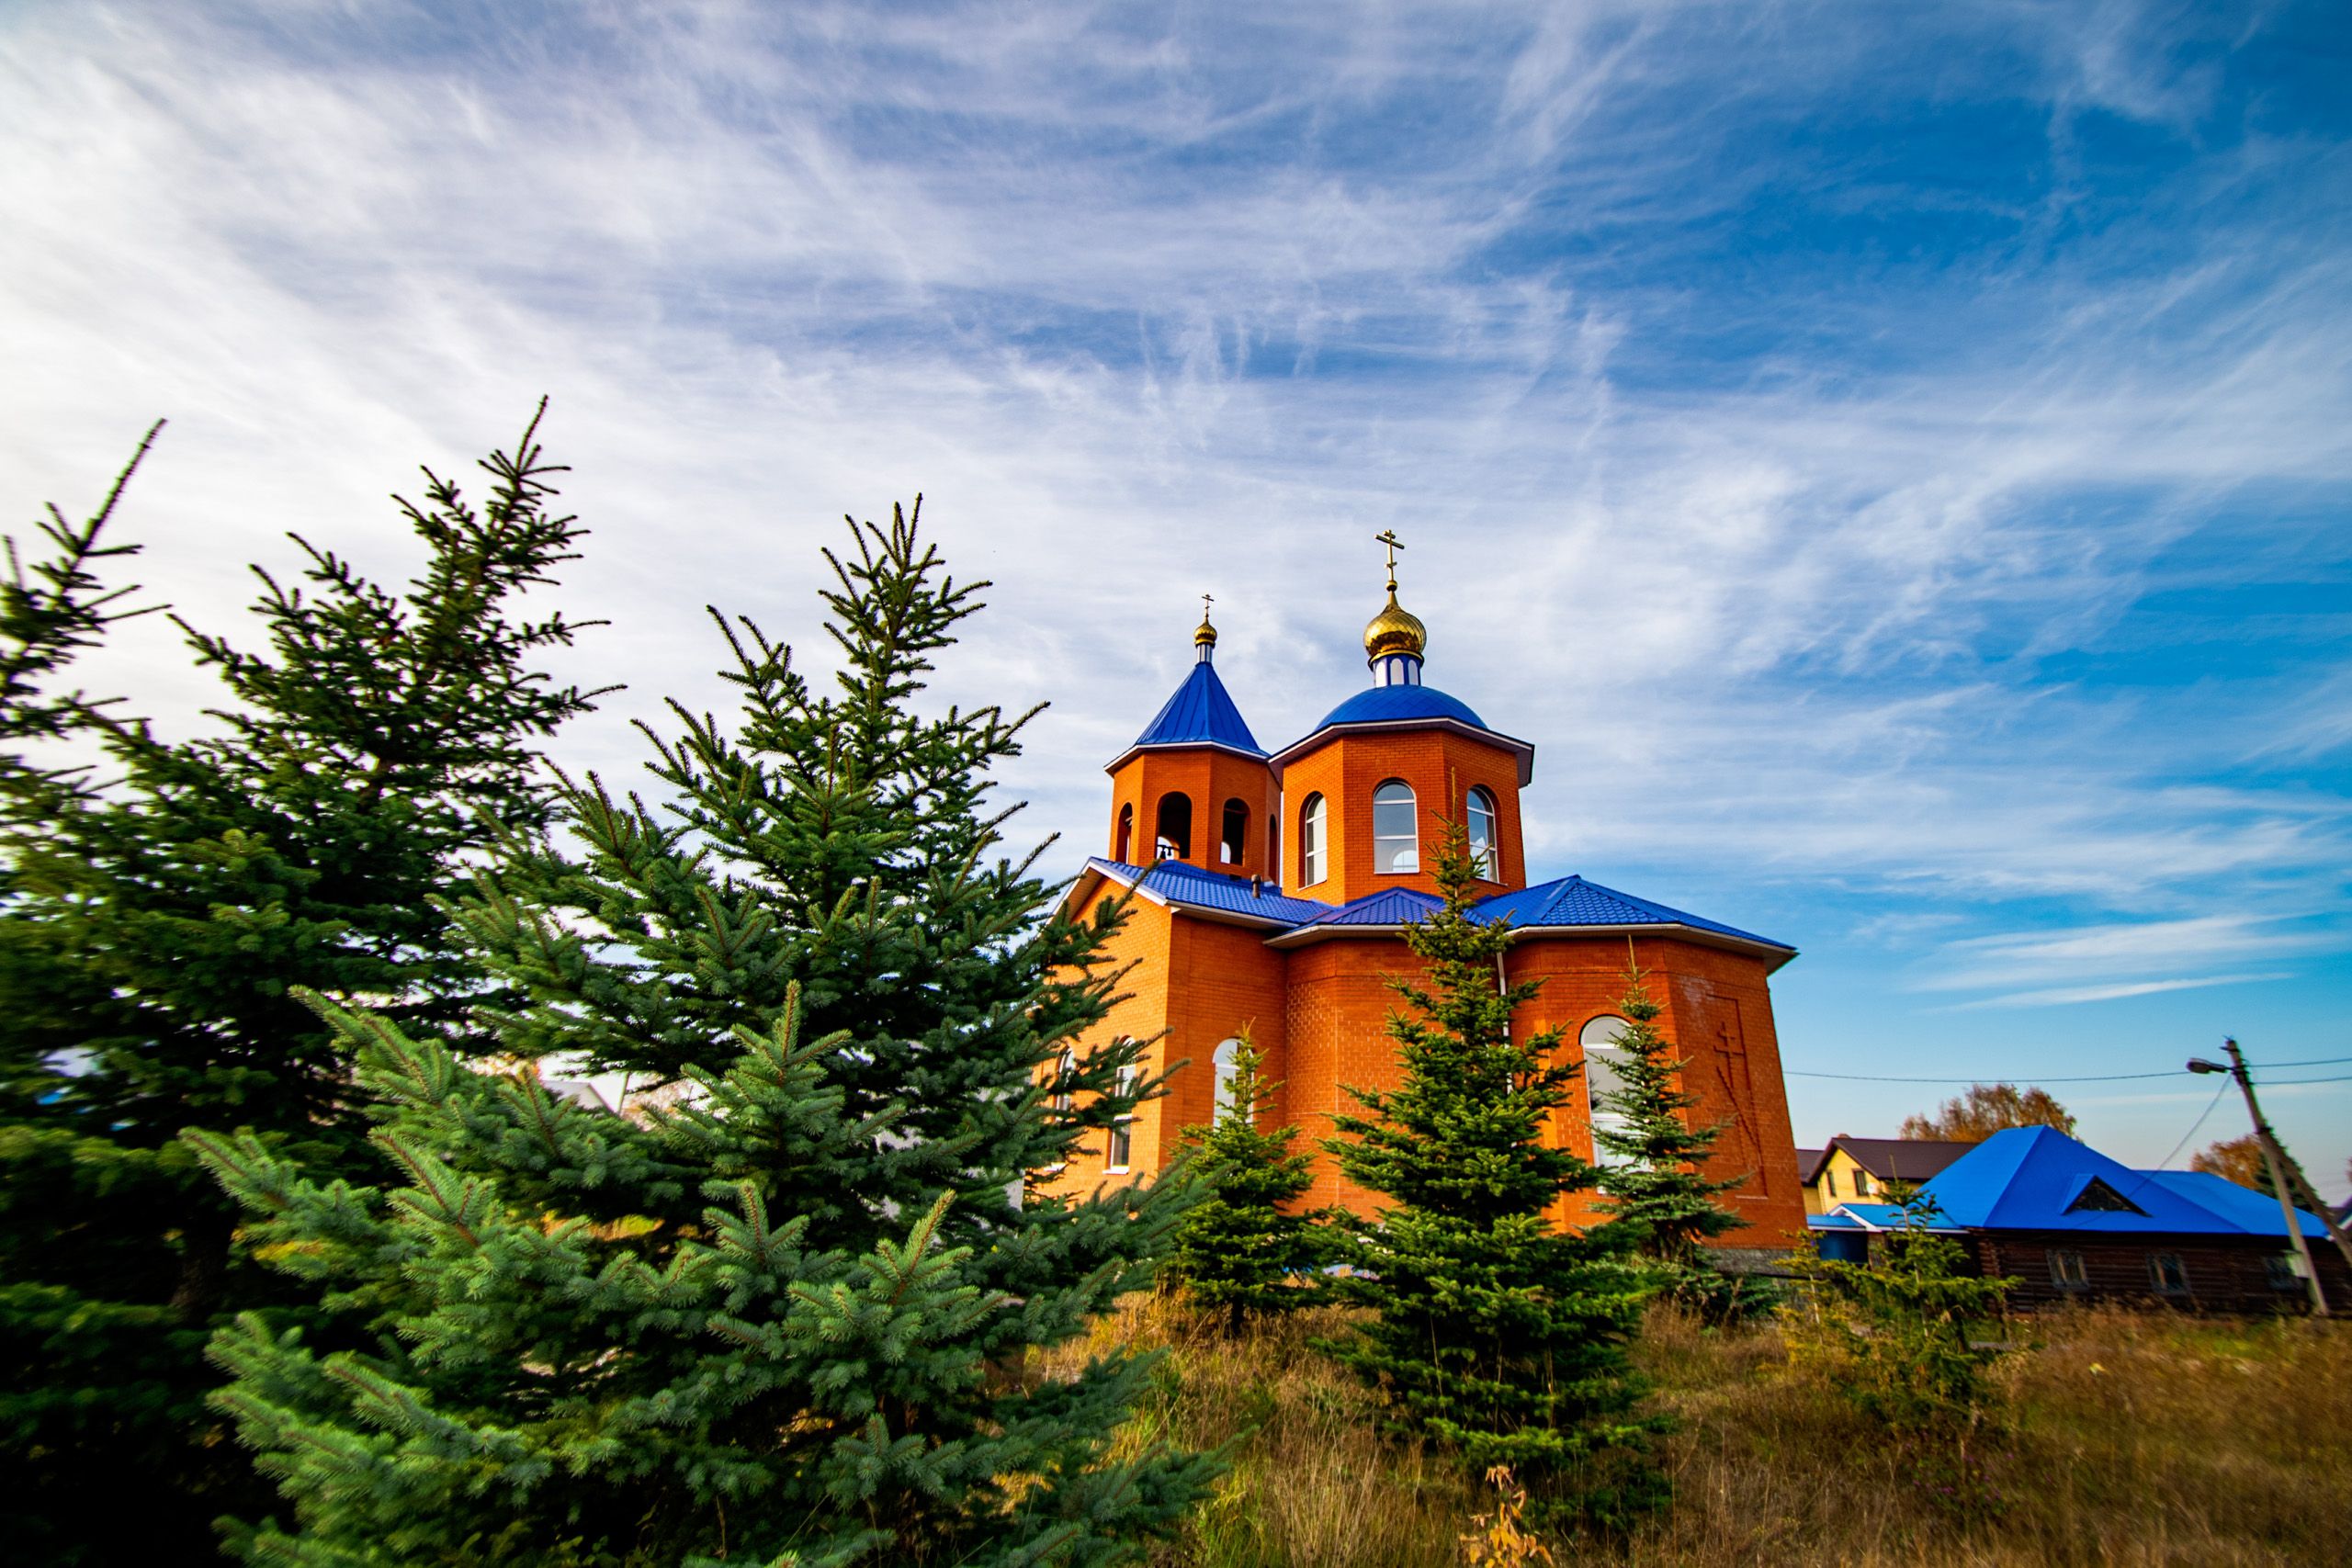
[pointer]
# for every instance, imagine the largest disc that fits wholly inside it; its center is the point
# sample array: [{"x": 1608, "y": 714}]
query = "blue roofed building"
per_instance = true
[
  {"x": 1267, "y": 893},
  {"x": 2069, "y": 1223}
]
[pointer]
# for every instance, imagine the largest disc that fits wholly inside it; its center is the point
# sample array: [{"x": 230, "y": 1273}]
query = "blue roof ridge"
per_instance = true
[
  {"x": 1182, "y": 883},
  {"x": 2024, "y": 1177},
  {"x": 1552, "y": 903}
]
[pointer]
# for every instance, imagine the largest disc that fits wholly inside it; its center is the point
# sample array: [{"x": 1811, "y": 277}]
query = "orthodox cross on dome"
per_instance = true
[
  {"x": 1395, "y": 631},
  {"x": 1204, "y": 635},
  {"x": 1388, "y": 536}
]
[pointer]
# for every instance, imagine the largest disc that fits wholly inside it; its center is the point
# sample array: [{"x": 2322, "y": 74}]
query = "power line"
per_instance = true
[
  {"x": 1981, "y": 1078},
  {"x": 2167, "y": 1160},
  {"x": 2096, "y": 1078}
]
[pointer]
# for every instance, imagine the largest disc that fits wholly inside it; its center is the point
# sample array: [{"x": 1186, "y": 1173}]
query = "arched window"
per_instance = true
[
  {"x": 1598, "y": 1040},
  {"x": 1226, "y": 1065},
  {"x": 1065, "y": 1069},
  {"x": 1396, "y": 830},
  {"x": 1119, "y": 1143},
  {"x": 1275, "y": 846},
  {"x": 1125, "y": 856},
  {"x": 1313, "y": 857},
  {"x": 1174, "y": 827},
  {"x": 1485, "y": 844},
  {"x": 1236, "y": 835}
]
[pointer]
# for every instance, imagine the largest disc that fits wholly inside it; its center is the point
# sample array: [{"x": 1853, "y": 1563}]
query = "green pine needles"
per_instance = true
[
  {"x": 779, "y": 1308},
  {"x": 1652, "y": 1181},
  {"x": 159, "y": 910},
  {"x": 1239, "y": 1251},
  {"x": 1498, "y": 1335},
  {"x": 1902, "y": 1335}
]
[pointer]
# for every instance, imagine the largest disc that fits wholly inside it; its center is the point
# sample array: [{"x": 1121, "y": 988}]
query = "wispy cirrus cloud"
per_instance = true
[{"x": 1892, "y": 463}]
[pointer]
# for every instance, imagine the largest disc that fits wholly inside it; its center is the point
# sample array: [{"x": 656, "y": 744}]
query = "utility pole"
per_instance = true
[{"x": 2275, "y": 1158}]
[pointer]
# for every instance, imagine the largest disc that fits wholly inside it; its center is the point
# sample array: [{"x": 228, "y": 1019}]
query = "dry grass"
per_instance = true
[{"x": 2137, "y": 1439}]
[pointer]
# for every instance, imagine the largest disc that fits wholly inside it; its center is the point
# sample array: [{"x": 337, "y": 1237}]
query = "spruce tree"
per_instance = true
[
  {"x": 1497, "y": 1334},
  {"x": 159, "y": 910},
  {"x": 781, "y": 1304},
  {"x": 1654, "y": 1183},
  {"x": 1241, "y": 1250}
]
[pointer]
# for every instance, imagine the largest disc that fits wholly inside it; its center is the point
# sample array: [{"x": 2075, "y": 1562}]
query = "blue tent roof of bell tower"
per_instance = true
[{"x": 1201, "y": 713}]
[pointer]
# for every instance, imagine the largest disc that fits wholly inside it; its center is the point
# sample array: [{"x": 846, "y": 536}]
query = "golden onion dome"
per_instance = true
[
  {"x": 1204, "y": 635},
  {"x": 1395, "y": 630}
]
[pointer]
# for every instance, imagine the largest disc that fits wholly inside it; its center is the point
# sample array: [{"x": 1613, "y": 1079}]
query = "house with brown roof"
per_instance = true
[{"x": 1859, "y": 1169}]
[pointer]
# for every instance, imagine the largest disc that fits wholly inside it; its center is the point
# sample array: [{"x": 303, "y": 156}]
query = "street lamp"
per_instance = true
[{"x": 2274, "y": 1158}]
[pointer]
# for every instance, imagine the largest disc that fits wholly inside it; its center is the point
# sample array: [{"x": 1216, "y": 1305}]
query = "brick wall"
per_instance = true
[
  {"x": 1141, "y": 947},
  {"x": 1719, "y": 1017},
  {"x": 1441, "y": 767},
  {"x": 1208, "y": 778}
]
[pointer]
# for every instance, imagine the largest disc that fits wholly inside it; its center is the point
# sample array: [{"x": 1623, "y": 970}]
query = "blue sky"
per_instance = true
[{"x": 1893, "y": 461}]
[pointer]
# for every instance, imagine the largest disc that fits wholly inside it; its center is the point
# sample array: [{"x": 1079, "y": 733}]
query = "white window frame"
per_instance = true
[
  {"x": 1486, "y": 849},
  {"x": 1601, "y": 1046},
  {"x": 1119, "y": 1138},
  {"x": 1222, "y": 1067},
  {"x": 1386, "y": 859},
  {"x": 1314, "y": 840}
]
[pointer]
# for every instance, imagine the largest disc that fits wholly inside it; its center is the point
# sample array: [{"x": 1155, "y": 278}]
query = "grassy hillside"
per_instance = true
[{"x": 2140, "y": 1438}]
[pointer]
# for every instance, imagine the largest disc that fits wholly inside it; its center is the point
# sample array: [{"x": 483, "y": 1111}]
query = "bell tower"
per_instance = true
[{"x": 1195, "y": 786}]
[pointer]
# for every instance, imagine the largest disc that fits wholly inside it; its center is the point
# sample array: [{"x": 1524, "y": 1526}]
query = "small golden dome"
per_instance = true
[
  {"x": 1395, "y": 630},
  {"x": 1204, "y": 635}
]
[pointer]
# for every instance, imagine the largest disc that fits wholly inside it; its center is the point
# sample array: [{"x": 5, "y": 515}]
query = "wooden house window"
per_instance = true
[
  {"x": 2168, "y": 1273},
  {"x": 2067, "y": 1271},
  {"x": 2098, "y": 1198}
]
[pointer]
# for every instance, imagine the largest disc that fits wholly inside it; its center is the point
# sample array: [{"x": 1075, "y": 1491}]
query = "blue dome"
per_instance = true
[{"x": 1388, "y": 704}]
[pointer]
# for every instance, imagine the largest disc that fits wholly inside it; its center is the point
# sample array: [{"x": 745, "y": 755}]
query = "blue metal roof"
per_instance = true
[
  {"x": 1200, "y": 713},
  {"x": 1392, "y": 705},
  {"x": 1573, "y": 901},
  {"x": 2027, "y": 1177},
  {"x": 1179, "y": 883},
  {"x": 2249, "y": 1210},
  {"x": 1389, "y": 906}
]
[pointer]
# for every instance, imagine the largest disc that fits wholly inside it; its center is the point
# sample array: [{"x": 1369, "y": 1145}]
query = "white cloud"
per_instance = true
[
  {"x": 2071, "y": 995},
  {"x": 779, "y": 264}
]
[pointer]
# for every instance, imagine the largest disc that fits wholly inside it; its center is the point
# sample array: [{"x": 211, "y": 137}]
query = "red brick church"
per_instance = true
[{"x": 1270, "y": 892}]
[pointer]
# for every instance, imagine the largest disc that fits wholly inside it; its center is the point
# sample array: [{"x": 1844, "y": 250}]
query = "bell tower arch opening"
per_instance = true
[{"x": 1172, "y": 827}]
